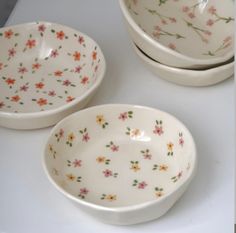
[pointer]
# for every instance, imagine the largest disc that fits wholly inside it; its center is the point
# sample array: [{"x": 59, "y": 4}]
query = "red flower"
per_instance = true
[
  {"x": 85, "y": 137},
  {"x": 58, "y": 73},
  {"x": 191, "y": 15},
  {"x": 78, "y": 69},
  {"x": 2, "y": 104},
  {"x": 10, "y": 81},
  {"x": 54, "y": 53},
  {"x": 84, "y": 191},
  {"x": 123, "y": 116},
  {"x": 142, "y": 185},
  {"x": 76, "y": 56},
  {"x": 158, "y": 130},
  {"x": 81, "y": 39},
  {"x": 210, "y": 22},
  {"x": 107, "y": 173},
  {"x": 51, "y": 93},
  {"x": 22, "y": 70},
  {"x": 60, "y": 35},
  {"x": 114, "y": 148},
  {"x": 41, "y": 28},
  {"x": 8, "y": 34},
  {"x": 39, "y": 85},
  {"x": 36, "y": 66},
  {"x": 84, "y": 80},
  {"x": 15, "y": 98},
  {"x": 11, "y": 52},
  {"x": 77, "y": 163},
  {"x": 212, "y": 10},
  {"x": 24, "y": 88},
  {"x": 42, "y": 101},
  {"x": 66, "y": 83},
  {"x": 69, "y": 99},
  {"x": 30, "y": 43},
  {"x": 94, "y": 55}
]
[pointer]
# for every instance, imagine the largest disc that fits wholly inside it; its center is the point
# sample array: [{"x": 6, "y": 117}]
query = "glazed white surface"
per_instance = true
[{"x": 29, "y": 203}]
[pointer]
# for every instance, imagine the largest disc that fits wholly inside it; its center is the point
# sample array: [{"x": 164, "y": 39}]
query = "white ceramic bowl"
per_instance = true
[
  {"x": 185, "y": 34},
  {"x": 47, "y": 71},
  {"x": 187, "y": 77},
  {"x": 123, "y": 164}
]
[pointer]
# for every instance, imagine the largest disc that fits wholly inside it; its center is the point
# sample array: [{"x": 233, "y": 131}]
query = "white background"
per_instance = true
[{"x": 29, "y": 203}]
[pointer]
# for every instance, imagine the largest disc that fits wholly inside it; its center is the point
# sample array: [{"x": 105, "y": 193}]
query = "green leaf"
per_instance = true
[{"x": 52, "y": 30}]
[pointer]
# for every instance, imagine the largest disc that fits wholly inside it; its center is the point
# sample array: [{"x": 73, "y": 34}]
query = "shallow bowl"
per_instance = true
[
  {"x": 185, "y": 34},
  {"x": 187, "y": 77},
  {"x": 123, "y": 164},
  {"x": 47, "y": 71}
]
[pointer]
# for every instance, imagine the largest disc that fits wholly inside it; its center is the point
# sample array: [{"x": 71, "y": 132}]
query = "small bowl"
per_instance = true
[
  {"x": 122, "y": 164},
  {"x": 187, "y": 34},
  {"x": 186, "y": 77},
  {"x": 47, "y": 72}
]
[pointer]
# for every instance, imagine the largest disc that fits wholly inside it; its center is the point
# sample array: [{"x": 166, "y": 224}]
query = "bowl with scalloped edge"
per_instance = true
[
  {"x": 187, "y": 77},
  {"x": 47, "y": 71},
  {"x": 185, "y": 34},
  {"x": 123, "y": 164}
]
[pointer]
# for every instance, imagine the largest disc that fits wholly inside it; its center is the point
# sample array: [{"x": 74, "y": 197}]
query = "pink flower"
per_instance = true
[
  {"x": 84, "y": 191},
  {"x": 24, "y": 88},
  {"x": 181, "y": 141},
  {"x": 157, "y": 28},
  {"x": 147, "y": 156},
  {"x": 78, "y": 69},
  {"x": 85, "y": 137},
  {"x": 123, "y": 116},
  {"x": 172, "y": 20},
  {"x": 210, "y": 22},
  {"x": 156, "y": 34},
  {"x": 51, "y": 93},
  {"x": 212, "y": 10},
  {"x": 66, "y": 83},
  {"x": 81, "y": 39},
  {"x": 22, "y": 70},
  {"x": 208, "y": 33},
  {"x": 142, "y": 185},
  {"x": 77, "y": 163},
  {"x": 114, "y": 148},
  {"x": 84, "y": 80},
  {"x": 191, "y": 15},
  {"x": 158, "y": 130},
  {"x": 54, "y": 53},
  {"x": 163, "y": 21},
  {"x": 179, "y": 174},
  {"x": 11, "y": 52},
  {"x": 41, "y": 28},
  {"x": 185, "y": 9},
  {"x": 61, "y": 133},
  {"x": 107, "y": 173},
  {"x": 172, "y": 46}
]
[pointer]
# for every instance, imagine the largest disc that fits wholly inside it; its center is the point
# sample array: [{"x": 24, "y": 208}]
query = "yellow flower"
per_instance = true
[
  {"x": 111, "y": 197},
  {"x": 101, "y": 159},
  {"x": 70, "y": 177},
  {"x": 71, "y": 137},
  {"x": 135, "y": 167},
  {"x": 100, "y": 119},
  {"x": 163, "y": 167},
  {"x": 135, "y": 133},
  {"x": 170, "y": 146}
]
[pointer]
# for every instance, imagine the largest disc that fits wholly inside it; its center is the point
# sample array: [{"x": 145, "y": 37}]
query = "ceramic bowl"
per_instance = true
[
  {"x": 185, "y": 34},
  {"x": 186, "y": 77},
  {"x": 123, "y": 164},
  {"x": 47, "y": 71}
]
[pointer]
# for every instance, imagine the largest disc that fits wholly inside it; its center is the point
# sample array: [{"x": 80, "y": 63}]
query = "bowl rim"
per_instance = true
[
  {"x": 145, "y": 36},
  {"x": 66, "y": 106},
  {"x": 128, "y": 208}
]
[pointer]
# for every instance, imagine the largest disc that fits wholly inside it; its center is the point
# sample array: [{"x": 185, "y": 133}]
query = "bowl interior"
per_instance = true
[
  {"x": 120, "y": 155},
  {"x": 44, "y": 66},
  {"x": 199, "y": 29}
]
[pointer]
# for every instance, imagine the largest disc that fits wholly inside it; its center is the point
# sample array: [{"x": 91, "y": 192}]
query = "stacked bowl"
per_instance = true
[{"x": 189, "y": 42}]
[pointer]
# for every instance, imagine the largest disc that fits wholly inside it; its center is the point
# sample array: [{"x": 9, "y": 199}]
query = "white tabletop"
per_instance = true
[{"x": 29, "y": 203}]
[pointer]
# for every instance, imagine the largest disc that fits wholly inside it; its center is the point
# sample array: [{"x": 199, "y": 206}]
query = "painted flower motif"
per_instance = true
[
  {"x": 36, "y": 66},
  {"x": 41, "y": 28},
  {"x": 109, "y": 197},
  {"x": 69, "y": 99},
  {"x": 170, "y": 146},
  {"x": 15, "y": 98},
  {"x": 2, "y": 104},
  {"x": 83, "y": 192},
  {"x": 81, "y": 39},
  {"x": 59, "y": 135},
  {"x": 60, "y": 35},
  {"x": 212, "y": 10},
  {"x": 77, "y": 163},
  {"x": 172, "y": 46},
  {"x": 30, "y": 43},
  {"x": 146, "y": 154},
  {"x": 181, "y": 140},
  {"x": 10, "y": 81},
  {"x": 101, "y": 121},
  {"x": 1, "y": 66},
  {"x": 70, "y": 139},
  {"x": 58, "y": 73},
  {"x": 39, "y": 85},
  {"x": 109, "y": 173},
  {"x": 51, "y": 93},
  {"x": 210, "y": 22},
  {"x": 11, "y": 52},
  {"x": 85, "y": 135},
  {"x": 70, "y": 177},
  {"x": 161, "y": 167},
  {"x": 52, "y": 151},
  {"x": 158, "y": 128},
  {"x": 54, "y": 53},
  {"x": 177, "y": 177},
  {"x": 139, "y": 185},
  {"x": 112, "y": 146},
  {"x": 135, "y": 133},
  {"x": 78, "y": 69},
  {"x": 125, "y": 115},
  {"x": 185, "y": 9},
  {"x": 24, "y": 88},
  {"x": 159, "y": 192},
  {"x": 103, "y": 159},
  {"x": 22, "y": 70},
  {"x": 42, "y": 101},
  {"x": 94, "y": 55},
  {"x": 8, "y": 34},
  {"x": 66, "y": 82},
  {"x": 191, "y": 15},
  {"x": 84, "y": 80},
  {"x": 135, "y": 166},
  {"x": 76, "y": 56}
]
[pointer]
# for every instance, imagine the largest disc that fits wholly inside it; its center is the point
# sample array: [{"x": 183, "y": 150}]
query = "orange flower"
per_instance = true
[
  {"x": 170, "y": 146},
  {"x": 30, "y": 43},
  {"x": 94, "y": 55},
  {"x": 8, "y": 34},
  {"x": 42, "y": 102},
  {"x": 58, "y": 73},
  {"x": 76, "y": 56},
  {"x": 100, "y": 159},
  {"x": 69, "y": 99},
  {"x": 36, "y": 66},
  {"x": 15, "y": 98},
  {"x": 163, "y": 167},
  {"x": 10, "y": 81},
  {"x": 70, "y": 177},
  {"x": 39, "y": 85},
  {"x": 60, "y": 35}
]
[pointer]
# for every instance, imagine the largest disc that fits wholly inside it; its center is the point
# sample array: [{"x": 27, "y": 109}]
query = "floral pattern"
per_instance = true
[
  {"x": 26, "y": 87},
  {"x": 109, "y": 197},
  {"x": 125, "y": 115},
  {"x": 146, "y": 154},
  {"x": 113, "y": 147},
  {"x": 101, "y": 121},
  {"x": 135, "y": 166},
  {"x": 139, "y": 185}
]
